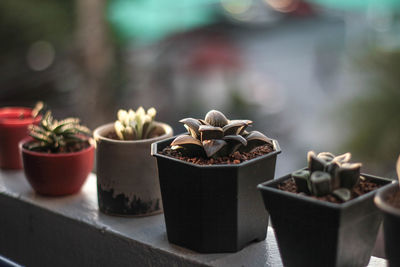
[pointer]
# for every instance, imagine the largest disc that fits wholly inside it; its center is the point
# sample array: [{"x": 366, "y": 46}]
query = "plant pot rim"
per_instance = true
[
  {"x": 17, "y": 122},
  {"x": 51, "y": 155},
  {"x": 155, "y": 153},
  {"x": 97, "y": 136},
  {"x": 306, "y": 199},
  {"x": 381, "y": 202}
]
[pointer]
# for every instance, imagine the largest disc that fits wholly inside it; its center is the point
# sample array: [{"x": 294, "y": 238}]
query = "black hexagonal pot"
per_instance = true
[
  {"x": 391, "y": 223},
  {"x": 213, "y": 208},
  {"x": 311, "y": 232}
]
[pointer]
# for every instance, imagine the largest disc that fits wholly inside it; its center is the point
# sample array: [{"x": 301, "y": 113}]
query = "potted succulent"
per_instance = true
[
  {"x": 127, "y": 183},
  {"x": 208, "y": 179},
  {"x": 388, "y": 201},
  {"x": 324, "y": 215},
  {"x": 14, "y": 122},
  {"x": 58, "y": 156}
]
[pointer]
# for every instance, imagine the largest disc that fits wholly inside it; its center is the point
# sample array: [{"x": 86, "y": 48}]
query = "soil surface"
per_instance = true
[
  {"x": 235, "y": 158},
  {"x": 362, "y": 188},
  {"x": 394, "y": 200},
  {"x": 68, "y": 149}
]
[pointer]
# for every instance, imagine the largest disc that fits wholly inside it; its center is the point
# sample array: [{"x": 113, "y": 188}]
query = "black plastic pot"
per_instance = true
[
  {"x": 311, "y": 232},
  {"x": 391, "y": 223},
  {"x": 213, "y": 208}
]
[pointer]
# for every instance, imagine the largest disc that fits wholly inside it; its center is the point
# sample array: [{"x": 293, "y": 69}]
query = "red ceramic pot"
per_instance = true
[
  {"x": 12, "y": 130},
  {"x": 57, "y": 174}
]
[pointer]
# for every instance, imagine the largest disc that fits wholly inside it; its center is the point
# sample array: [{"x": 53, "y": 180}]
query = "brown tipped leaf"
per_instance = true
[
  {"x": 210, "y": 132},
  {"x": 216, "y": 118},
  {"x": 327, "y": 156},
  {"x": 186, "y": 141},
  {"x": 256, "y": 139},
  {"x": 343, "y": 158},
  {"x": 235, "y": 127},
  {"x": 212, "y": 147},
  {"x": 192, "y": 125},
  {"x": 235, "y": 139},
  {"x": 315, "y": 163}
]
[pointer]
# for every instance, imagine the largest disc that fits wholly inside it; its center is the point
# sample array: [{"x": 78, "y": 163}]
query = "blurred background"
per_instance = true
[{"x": 317, "y": 75}]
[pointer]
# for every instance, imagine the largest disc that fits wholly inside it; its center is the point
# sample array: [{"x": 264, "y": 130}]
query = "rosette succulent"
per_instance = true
[
  {"x": 216, "y": 136},
  {"x": 58, "y": 136},
  {"x": 134, "y": 125},
  {"x": 328, "y": 174}
]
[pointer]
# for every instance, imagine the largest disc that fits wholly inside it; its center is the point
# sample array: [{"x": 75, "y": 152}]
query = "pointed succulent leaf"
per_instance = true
[
  {"x": 235, "y": 139},
  {"x": 302, "y": 178},
  {"x": 192, "y": 125},
  {"x": 255, "y": 139},
  {"x": 37, "y": 109},
  {"x": 235, "y": 127},
  {"x": 326, "y": 156},
  {"x": 185, "y": 140},
  {"x": 212, "y": 147},
  {"x": 152, "y": 113},
  {"x": 60, "y": 126},
  {"x": 320, "y": 183},
  {"x": 349, "y": 174},
  {"x": 332, "y": 168},
  {"x": 210, "y": 132},
  {"x": 343, "y": 194},
  {"x": 342, "y": 158},
  {"x": 122, "y": 116},
  {"x": 216, "y": 118},
  {"x": 314, "y": 163},
  {"x": 40, "y": 137},
  {"x": 203, "y": 122}
]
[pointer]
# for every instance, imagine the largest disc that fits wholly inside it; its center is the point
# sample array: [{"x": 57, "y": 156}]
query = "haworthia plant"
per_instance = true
[
  {"x": 216, "y": 136},
  {"x": 54, "y": 136},
  {"x": 135, "y": 125},
  {"x": 328, "y": 174}
]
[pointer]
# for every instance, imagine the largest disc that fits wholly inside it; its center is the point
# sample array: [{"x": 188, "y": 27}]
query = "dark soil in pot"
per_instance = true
[
  {"x": 235, "y": 158},
  {"x": 362, "y": 188},
  {"x": 311, "y": 232}
]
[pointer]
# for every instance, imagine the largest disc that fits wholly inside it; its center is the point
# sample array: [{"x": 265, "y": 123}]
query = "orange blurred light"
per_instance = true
[{"x": 284, "y": 6}]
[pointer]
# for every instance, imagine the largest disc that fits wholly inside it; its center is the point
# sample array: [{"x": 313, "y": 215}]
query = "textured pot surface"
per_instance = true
[
  {"x": 127, "y": 180},
  {"x": 57, "y": 174},
  {"x": 391, "y": 223},
  {"x": 311, "y": 232},
  {"x": 12, "y": 131},
  {"x": 214, "y": 208}
]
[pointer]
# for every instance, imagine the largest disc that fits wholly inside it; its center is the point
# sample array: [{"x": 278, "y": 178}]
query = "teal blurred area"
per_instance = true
[{"x": 151, "y": 20}]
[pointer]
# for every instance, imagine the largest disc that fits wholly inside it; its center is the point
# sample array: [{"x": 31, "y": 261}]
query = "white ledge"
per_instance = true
[{"x": 71, "y": 231}]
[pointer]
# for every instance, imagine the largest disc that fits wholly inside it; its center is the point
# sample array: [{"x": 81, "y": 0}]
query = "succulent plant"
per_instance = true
[
  {"x": 57, "y": 136},
  {"x": 133, "y": 125},
  {"x": 216, "y": 136},
  {"x": 328, "y": 174}
]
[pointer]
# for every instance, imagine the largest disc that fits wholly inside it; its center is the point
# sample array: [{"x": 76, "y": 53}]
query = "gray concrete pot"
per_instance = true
[{"x": 127, "y": 181}]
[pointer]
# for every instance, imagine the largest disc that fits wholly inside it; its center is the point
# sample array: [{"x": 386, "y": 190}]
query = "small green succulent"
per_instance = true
[
  {"x": 216, "y": 136},
  {"x": 328, "y": 174},
  {"x": 133, "y": 125},
  {"x": 57, "y": 136}
]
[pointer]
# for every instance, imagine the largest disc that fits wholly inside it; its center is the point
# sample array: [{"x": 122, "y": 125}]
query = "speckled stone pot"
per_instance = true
[{"x": 127, "y": 181}]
